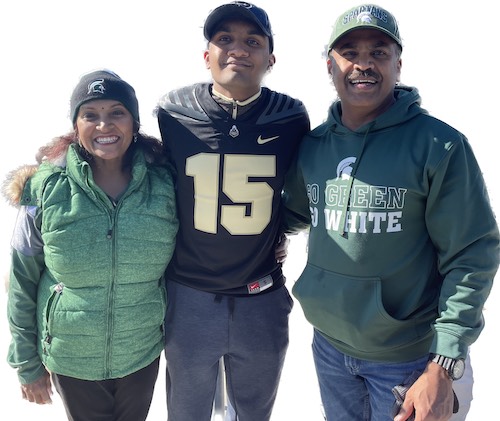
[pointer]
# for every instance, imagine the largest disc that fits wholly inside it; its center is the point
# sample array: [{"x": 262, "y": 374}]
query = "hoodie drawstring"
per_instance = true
[{"x": 355, "y": 165}]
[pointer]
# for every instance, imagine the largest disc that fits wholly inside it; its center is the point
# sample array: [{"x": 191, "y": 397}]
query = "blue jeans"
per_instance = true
[{"x": 357, "y": 390}]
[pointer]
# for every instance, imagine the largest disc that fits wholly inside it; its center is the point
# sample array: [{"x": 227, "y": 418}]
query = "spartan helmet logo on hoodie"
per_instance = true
[{"x": 344, "y": 169}]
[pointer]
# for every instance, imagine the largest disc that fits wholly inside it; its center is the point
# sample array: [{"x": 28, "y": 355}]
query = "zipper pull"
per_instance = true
[
  {"x": 59, "y": 288},
  {"x": 46, "y": 343},
  {"x": 109, "y": 235}
]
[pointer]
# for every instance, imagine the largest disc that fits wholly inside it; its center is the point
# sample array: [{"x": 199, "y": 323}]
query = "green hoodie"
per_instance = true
[{"x": 403, "y": 243}]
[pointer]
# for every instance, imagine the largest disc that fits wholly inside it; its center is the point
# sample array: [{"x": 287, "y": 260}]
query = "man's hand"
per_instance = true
[
  {"x": 39, "y": 391},
  {"x": 281, "y": 250},
  {"x": 431, "y": 396}
]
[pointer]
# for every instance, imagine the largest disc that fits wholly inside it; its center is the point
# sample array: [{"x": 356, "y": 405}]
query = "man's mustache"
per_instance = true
[{"x": 356, "y": 74}]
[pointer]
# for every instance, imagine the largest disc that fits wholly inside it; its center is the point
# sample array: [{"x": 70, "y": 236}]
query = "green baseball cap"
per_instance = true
[{"x": 366, "y": 16}]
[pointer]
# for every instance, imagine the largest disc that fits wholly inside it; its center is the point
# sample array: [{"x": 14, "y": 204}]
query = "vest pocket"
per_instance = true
[{"x": 52, "y": 302}]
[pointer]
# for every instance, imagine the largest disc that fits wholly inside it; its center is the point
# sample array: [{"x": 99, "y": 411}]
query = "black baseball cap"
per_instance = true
[{"x": 238, "y": 10}]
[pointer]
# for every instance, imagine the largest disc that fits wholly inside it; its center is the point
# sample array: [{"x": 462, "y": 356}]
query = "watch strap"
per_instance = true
[
  {"x": 445, "y": 362},
  {"x": 454, "y": 367}
]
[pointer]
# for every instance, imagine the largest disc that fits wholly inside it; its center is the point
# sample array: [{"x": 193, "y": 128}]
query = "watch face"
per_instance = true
[{"x": 458, "y": 369}]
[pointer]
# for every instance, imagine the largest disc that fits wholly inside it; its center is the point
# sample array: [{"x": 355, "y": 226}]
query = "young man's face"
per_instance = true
[
  {"x": 238, "y": 57},
  {"x": 365, "y": 65}
]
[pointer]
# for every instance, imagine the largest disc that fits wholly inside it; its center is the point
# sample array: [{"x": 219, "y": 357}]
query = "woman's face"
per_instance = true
[{"x": 105, "y": 129}]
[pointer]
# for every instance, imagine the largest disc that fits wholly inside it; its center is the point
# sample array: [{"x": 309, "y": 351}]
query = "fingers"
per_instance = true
[
  {"x": 39, "y": 392},
  {"x": 405, "y": 415},
  {"x": 281, "y": 259},
  {"x": 281, "y": 251}
]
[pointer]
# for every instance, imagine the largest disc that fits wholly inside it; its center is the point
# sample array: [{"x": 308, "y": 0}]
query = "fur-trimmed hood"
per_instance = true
[
  {"x": 14, "y": 182},
  {"x": 13, "y": 185}
]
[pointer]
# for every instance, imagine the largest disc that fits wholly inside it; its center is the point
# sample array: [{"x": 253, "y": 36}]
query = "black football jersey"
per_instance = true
[{"x": 229, "y": 177}]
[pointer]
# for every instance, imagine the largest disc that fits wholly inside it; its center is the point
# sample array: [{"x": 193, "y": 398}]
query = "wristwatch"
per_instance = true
[{"x": 454, "y": 367}]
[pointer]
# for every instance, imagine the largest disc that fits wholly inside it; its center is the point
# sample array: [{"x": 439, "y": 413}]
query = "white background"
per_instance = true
[{"x": 157, "y": 45}]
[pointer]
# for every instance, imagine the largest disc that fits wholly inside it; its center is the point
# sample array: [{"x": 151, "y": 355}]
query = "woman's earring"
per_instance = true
[{"x": 135, "y": 138}]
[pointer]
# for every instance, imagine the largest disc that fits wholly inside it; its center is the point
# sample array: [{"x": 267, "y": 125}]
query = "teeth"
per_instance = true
[
  {"x": 110, "y": 139},
  {"x": 363, "y": 81}
]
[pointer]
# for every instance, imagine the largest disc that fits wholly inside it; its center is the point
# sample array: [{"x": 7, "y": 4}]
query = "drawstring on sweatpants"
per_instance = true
[{"x": 230, "y": 303}]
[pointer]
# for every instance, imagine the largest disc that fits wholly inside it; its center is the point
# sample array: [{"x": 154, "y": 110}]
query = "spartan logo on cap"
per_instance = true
[
  {"x": 364, "y": 17},
  {"x": 96, "y": 87}
]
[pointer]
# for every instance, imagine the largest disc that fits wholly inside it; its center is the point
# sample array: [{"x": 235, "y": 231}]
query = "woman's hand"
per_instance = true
[{"x": 40, "y": 391}]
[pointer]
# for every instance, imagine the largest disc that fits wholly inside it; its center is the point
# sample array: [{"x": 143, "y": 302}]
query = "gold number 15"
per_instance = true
[{"x": 237, "y": 169}]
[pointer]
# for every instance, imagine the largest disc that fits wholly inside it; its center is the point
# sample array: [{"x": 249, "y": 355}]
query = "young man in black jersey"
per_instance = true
[{"x": 231, "y": 142}]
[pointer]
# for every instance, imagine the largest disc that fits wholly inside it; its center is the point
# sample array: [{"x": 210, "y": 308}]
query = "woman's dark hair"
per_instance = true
[{"x": 152, "y": 148}]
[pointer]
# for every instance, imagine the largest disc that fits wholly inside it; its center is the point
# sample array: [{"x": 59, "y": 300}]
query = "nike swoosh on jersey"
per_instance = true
[{"x": 261, "y": 140}]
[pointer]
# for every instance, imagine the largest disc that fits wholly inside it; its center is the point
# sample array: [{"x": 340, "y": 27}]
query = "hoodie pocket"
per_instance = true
[{"x": 350, "y": 311}]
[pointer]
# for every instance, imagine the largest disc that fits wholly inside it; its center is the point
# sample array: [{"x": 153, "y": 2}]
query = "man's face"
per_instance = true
[
  {"x": 238, "y": 57},
  {"x": 365, "y": 65}
]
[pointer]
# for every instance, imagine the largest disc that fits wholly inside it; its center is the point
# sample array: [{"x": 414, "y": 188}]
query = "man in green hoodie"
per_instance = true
[{"x": 403, "y": 243}]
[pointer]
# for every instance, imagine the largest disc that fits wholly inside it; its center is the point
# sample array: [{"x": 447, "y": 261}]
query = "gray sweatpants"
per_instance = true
[{"x": 251, "y": 333}]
